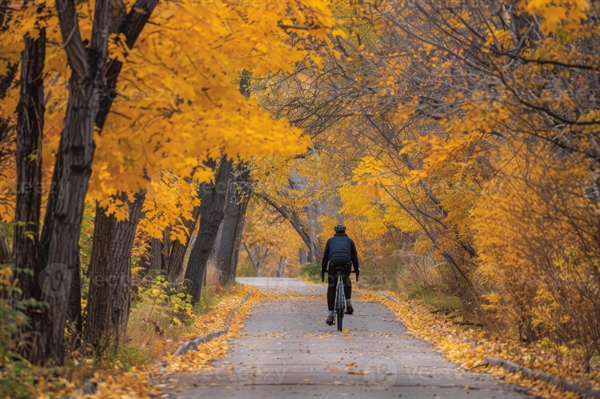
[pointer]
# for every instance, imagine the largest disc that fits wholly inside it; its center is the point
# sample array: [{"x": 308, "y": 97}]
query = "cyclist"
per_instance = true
[{"x": 340, "y": 251}]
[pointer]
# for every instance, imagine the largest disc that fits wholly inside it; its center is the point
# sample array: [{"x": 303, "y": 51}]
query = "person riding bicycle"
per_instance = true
[{"x": 340, "y": 251}]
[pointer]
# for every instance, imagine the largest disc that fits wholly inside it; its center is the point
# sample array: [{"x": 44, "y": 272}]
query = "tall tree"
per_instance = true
[
  {"x": 177, "y": 250},
  {"x": 168, "y": 255},
  {"x": 124, "y": 237},
  {"x": 230, "y": 232},
  {"x": 212, "y": 211},
  {"x": 101, "y": 270},
  {"x": 110, "y": 275},
  {"x": 110, "y": 265},
  {"x": 59, "y": 252},
  {"x": 30, "y": 125},
  {"x": 233, "y": 225},
  {"x": 58, "y": 260}
]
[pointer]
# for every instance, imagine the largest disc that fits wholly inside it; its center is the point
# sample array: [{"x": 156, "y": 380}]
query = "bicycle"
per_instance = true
[{"x": 340, "y": 297}]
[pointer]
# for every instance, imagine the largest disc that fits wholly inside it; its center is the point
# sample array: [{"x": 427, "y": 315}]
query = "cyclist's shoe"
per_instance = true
[
  {"x": 349, "y": 308},
  {"x": 329, "y": 320}
]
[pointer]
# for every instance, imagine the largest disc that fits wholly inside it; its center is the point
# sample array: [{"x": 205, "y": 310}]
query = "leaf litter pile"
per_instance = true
[{"x": 467, "y": 346}]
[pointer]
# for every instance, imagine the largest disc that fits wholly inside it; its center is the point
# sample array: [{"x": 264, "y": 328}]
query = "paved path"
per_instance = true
[{"x": 287, "y": 351}]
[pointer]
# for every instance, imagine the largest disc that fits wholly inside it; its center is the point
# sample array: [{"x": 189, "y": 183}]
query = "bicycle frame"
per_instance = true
[
  {"x": 340, "y": 297},
  {"x": 340, "y": 300}
]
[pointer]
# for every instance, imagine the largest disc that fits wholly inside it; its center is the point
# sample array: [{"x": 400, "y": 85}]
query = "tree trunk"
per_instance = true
[
  {"x": 212, "y": 211},
  {"x": 30, "y": 126},
  {"x": 110, "y": 277},
  {"x": 58, "y": 259},
  {"x": 131, "y": 27},
  {"x": 230, "y": 232},
  {"x": 124, "y": 237},
  {"x": 99, "y": 309},
  {"x": 302, "y": 256},
  {"x": 74, "y": 316},
  {"x": 156, "y": 254},
  {"x": 4, "y": 250},
  {"x": 233, "y": 227},
  {"x": 252, "y": 260},
  {"x": 214, "y": 253},
  {"x": 178, "y": 250},
  {"x": 166, "y": 250},
  {"x": 281, "y": 266},
  {"x": 205, "y": 277},
  {"x": 311, "y": 234}
]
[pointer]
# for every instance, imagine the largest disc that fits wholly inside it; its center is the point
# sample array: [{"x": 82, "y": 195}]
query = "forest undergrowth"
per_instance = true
[{"x": 161, "y": 320}]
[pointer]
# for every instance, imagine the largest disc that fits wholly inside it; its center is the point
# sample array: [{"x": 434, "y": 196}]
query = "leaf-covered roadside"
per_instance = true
[
  {"x": 468, "y": 346},
  {"x": 116, "y": 380},
  {"x": 137, "y": 383}
]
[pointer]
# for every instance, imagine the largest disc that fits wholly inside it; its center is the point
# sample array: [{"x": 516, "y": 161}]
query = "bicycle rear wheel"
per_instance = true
[{"x": 340, "y": 307}]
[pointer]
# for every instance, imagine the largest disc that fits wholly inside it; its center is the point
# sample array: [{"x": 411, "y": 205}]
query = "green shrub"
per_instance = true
[
  {"x": 127, "y": 357},
  {"x": 311, "y": 271},
  {"x": 433, "y": 298},
  {"x": 12, "y": 366},
  {"x": 208, "y": 300},
  {"x": 381, "y": 273},
  {"x": 166, "y": 299},
  {"x": 245, "y": 269}
]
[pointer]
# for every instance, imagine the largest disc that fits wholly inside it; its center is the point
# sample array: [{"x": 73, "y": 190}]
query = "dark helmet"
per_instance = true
[{"x": 340, "y": 228}]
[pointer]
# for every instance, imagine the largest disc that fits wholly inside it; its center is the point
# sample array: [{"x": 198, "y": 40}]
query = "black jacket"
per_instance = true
[{"x": 340, "y": 248}]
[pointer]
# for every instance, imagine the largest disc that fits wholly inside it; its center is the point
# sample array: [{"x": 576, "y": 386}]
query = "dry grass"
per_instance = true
[
  {"x": 152, "y": 330},
  {"x": 421, "y": 270},
  {"x": 212, "y": 275}
]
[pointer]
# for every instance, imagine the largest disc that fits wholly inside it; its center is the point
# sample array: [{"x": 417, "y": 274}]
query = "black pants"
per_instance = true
[{"x": 333, "y": 282}]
